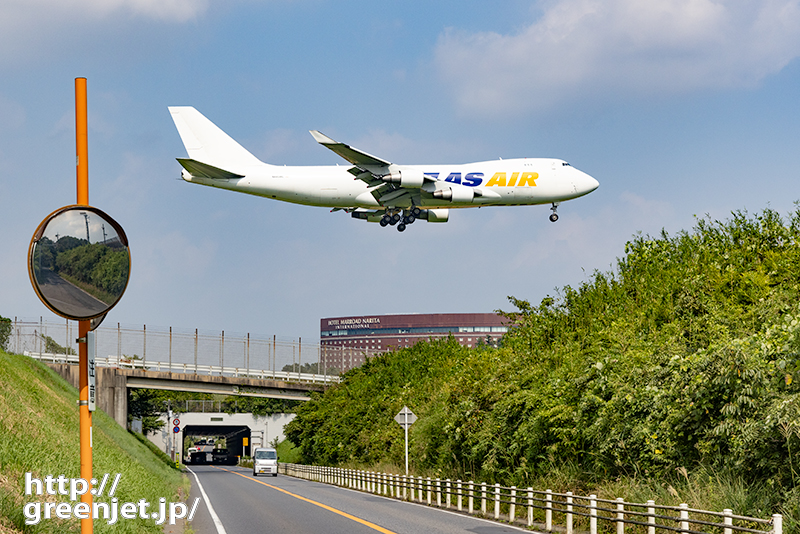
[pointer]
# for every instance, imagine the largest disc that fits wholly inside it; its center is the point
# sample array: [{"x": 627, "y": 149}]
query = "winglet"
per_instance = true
[{"x": 321, "y": 138}]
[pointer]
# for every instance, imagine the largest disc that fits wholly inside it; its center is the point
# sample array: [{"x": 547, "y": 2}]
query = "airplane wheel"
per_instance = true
[
  {"x": 384, "y": 221},
  {"x": 416, "y": 212},
  {"x": 401, "y": 227},
  {"x": 410, "y": 219},
  {"x": 554, "y": 217},
  {"x": 396, "y": 218}
]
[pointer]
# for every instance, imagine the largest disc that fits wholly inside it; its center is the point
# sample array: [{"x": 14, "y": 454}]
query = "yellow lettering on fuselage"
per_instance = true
[
  {"x": 499, "y": 178},
  {"x": 527, "y": 179}
]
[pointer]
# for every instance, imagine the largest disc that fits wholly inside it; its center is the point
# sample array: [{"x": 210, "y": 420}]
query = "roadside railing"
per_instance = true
[
  {"x": 188, "y": 368},
  {"x": 546, "y": 510},
  {"x": 189, "y": 348}
]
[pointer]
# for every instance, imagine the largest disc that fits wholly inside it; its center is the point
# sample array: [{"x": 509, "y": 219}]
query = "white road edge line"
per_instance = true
[{"x": 214, "y": 516}]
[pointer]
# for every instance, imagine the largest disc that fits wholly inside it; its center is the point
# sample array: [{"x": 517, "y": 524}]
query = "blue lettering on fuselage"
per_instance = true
[{"x": 471, "y": 179}]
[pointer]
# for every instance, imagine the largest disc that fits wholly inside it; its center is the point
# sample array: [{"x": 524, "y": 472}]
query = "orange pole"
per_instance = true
[
  {"x": 85, "y": 416},
  {"x": 82, "y": 141}
]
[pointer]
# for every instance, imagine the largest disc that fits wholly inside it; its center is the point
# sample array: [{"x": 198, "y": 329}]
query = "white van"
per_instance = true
[{"x": 265, "y": 461}]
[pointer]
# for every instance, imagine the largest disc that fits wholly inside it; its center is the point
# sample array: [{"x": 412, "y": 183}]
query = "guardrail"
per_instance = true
[
  {"x": 188, "y": 368},
  {"x": 536, "y": 508},
  {"x": 228, "y": 350}
]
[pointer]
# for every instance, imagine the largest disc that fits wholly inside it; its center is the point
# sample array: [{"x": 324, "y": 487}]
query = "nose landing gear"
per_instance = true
[{"x": 554, "y": 215}]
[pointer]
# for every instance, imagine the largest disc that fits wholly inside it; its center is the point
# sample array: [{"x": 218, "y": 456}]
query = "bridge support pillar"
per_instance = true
[{"x": 112, "y": 389}]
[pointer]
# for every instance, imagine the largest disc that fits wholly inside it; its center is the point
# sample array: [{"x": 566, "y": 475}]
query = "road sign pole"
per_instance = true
[
  {"x": 85, "y": 416},
  {"x": 405, "y": 419},
  {"x": 405, "y": 426}
]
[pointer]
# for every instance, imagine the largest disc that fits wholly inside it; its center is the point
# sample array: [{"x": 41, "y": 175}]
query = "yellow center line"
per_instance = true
[{"x": 325, "y": 506}]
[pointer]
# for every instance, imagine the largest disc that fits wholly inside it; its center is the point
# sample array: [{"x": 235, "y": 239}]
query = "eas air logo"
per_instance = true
[{"x": 500, "y": 179}]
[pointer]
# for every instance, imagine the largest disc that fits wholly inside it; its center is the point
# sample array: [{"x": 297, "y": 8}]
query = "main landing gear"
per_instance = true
[
  {"x": 554, "y": 215},
  {"x": 401, "y": 221}
]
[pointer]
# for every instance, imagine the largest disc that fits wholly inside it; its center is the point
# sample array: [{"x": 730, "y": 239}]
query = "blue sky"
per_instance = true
[{"x": 680, "y": 108}]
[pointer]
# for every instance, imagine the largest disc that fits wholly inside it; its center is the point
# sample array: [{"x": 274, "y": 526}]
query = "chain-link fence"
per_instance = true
[{"x": 191, "y": 348}]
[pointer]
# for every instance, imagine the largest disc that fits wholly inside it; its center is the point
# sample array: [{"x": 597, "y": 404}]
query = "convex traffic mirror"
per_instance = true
[{"x": 79, "y": 262}]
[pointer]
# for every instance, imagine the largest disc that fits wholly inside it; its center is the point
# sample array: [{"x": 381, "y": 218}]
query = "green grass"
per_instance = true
[{"x": 39, "y": 434}]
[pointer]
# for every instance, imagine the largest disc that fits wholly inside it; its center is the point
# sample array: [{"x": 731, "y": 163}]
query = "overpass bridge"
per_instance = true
[{"x": 115, "y": 377}]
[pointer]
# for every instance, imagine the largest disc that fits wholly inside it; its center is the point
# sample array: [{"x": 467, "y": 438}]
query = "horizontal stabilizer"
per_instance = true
[{"x": 204, "y": 170}]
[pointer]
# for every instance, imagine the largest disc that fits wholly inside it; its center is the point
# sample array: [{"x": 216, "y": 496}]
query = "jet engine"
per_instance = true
[
  {"x": 439, "y": 215},
  {"x": 405, "y": 177},
  {"x": 458, "y": 194}
]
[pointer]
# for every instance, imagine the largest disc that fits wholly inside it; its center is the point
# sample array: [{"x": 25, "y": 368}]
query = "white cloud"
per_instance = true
[
  {"x": 31, "y": 28},
  {"x": 585, "y": 49},
  {"x": 14, "y": 12}
]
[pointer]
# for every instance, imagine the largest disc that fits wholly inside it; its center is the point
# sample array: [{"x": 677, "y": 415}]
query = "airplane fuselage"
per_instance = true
[
  {"x": 372, "y": 188},
  {"x": 500, "y": 183}
]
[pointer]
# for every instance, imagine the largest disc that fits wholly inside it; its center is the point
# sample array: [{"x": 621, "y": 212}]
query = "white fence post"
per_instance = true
[
  {"x": 684, "y": 517},
  {"x": 593, "y": 514},
  {"x": 548, "y": 513},
  {"x": 728, "y": 521},
  {"x": 439, "y": 492},
  {"x": 651, "y": 517},
  {"x": 512, "y": 508},
  {"x": 569, "y": 512},
  {"x": 428, "y": 482},
  {"x": 471, "y": 498},
  {"x": 777, "y": 524},
  {"x": 448, "y": 497},
  {"x": 620, "y": 516},
  {"x": 458, "y": 492},
  {"x": 497, "y": 501},
  {"x": 483, "y": 498},
  {"x": 530, "y": 506}
]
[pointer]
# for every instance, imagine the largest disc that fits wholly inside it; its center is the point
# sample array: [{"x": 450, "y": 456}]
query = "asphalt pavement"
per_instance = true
[{"x": 243, "y": 504}]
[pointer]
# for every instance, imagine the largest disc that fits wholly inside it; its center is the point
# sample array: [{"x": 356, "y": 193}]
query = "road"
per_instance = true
[
  {"x": 287, "y": 505},
  {"x": 66, "y": 297}
]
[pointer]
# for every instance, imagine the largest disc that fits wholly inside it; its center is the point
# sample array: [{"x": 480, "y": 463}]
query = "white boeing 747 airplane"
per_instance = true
[{"x": 371, "y": 188}]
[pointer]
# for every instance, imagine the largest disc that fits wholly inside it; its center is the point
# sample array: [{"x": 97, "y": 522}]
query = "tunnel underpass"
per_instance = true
[{"x": 234, "y": 438}]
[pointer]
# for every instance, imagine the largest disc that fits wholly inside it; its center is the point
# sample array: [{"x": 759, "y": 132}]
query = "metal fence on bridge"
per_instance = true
[{"x": 190, "y": 350}]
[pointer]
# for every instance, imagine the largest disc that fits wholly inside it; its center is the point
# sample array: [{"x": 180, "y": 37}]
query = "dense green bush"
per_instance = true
[
  {"x": 683, "y": 359},
  {"x": 5, "y": 332}
]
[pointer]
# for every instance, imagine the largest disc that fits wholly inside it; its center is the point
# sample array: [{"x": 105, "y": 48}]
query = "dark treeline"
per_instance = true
[
  {"x": 683, "y": 363},
  {"x": 97, "y": 265}
]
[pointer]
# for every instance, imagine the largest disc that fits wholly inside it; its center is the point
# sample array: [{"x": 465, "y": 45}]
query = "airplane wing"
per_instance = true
[
  {"x": 355, "y": 156},
  {"x": 390, "y": 181}
]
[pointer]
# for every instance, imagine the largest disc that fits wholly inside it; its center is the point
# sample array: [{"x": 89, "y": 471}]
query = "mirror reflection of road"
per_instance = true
[
  {"x": 283, "y": 504},
  {"x": 67, "y": 297}
]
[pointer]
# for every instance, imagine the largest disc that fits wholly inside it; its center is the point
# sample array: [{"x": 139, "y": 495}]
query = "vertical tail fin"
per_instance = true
[{"x": 207, "y": 143}]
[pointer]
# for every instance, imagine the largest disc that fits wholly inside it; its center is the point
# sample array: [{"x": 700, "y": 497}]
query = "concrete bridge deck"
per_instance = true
[{"x": 113, "y": 384}]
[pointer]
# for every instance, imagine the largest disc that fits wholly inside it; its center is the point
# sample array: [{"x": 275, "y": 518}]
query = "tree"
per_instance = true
[
  {"x": 147, "y": 405},
  {"x": 5, "y": 332}
]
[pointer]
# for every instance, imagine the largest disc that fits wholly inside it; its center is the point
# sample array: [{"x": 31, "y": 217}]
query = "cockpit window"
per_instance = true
[{"x": 565, "y": 164}]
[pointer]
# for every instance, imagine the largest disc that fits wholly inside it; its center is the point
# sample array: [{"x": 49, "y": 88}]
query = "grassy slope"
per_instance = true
[
  {"x": 677, "y": 377},
  {"x": 39, "y": 434}
]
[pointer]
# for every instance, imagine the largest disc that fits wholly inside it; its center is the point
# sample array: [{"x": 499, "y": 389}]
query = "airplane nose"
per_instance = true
[{"x": 584, "y": 183}]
